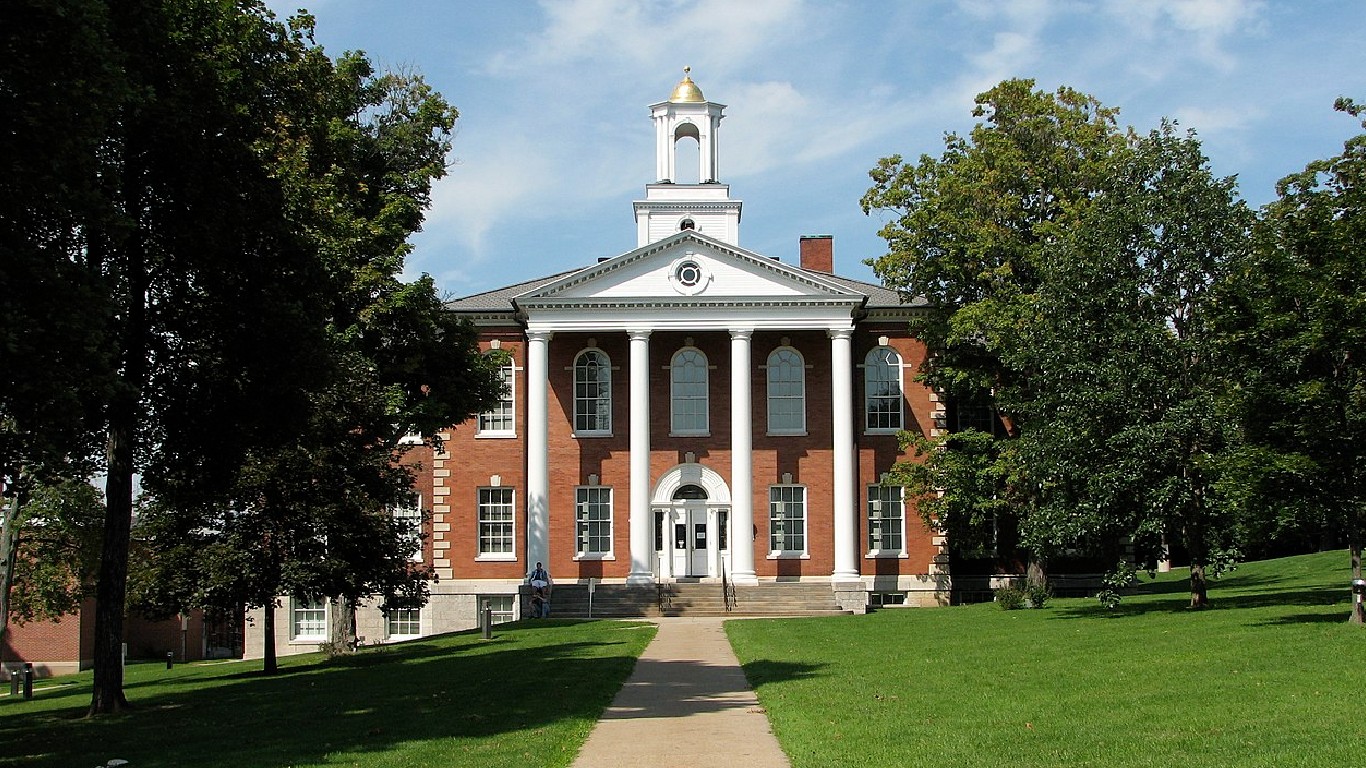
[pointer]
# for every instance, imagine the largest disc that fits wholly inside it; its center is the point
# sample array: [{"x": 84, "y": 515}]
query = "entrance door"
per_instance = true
[
  {"x": 690, "y": 538},
  {"x": 697, "y": 522}
]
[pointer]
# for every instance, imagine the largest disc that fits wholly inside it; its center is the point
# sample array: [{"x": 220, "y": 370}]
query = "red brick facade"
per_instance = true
[{"x": 472, "y": 460}]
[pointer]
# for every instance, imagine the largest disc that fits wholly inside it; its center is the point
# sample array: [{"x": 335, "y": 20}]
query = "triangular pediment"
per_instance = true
[{"x": 693, "y": 267}]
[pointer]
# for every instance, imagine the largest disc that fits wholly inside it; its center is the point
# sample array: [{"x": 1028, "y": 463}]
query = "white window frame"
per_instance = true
[
  {"x": 316, "y": 611},
  {"x": 599, "y": 407},
  {"x": 486, "y": 506},
  {"x": 780, "y": 360},
  {"x": 584, "y": 506},
  {"x": 687, "y": 359},
  {"x": 884, "y": 507},
  {"x": 403, "y": 618},
  {"x": 505, "y": 412},
  {"x": 503, "y": 608},
  {"x": 877, "y": 389},
  {"x": 411, "y": 514},
  {"x": 782, "y": 498}
]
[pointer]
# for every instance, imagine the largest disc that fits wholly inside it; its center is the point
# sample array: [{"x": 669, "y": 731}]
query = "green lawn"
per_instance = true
[
  {"x": 526, "y": 698},
  {"x": 1270, "y": 676}
]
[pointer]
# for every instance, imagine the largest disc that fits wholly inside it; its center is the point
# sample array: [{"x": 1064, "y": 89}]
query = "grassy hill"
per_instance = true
[{"x": 1269, "y": 676}]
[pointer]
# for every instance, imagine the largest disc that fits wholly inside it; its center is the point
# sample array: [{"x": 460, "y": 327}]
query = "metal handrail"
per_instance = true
[{"x": 727, "y": 590}]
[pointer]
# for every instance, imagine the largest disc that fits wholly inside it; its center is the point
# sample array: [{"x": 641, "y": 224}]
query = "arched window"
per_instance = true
[
  {"x": 688, "y": 392},
  {"x": 690, "y": 493},
  {"x": 592, "y": 393},
  {"x": 882, "y": 390},
  {"x": 786, "y": 392}
]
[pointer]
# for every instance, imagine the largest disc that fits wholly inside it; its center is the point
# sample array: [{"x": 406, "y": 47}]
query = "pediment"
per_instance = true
[{"x": 693, "y": 267}]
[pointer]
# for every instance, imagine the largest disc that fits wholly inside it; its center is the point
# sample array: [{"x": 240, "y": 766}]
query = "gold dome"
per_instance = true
[{"x": 687, "y": 91}]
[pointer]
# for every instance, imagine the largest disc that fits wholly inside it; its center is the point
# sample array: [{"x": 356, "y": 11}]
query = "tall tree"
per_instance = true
[
  {"x": 1124, "y": 436},
  {"x": 397, "y": 365},
  {"x": 60, "y": 86},
  {"x": 969, "y": 233},
  {"x": 1296, "y": 321}
]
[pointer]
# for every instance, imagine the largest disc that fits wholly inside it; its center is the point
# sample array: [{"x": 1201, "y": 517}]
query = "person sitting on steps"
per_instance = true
[{"x": 540, "y": 581}]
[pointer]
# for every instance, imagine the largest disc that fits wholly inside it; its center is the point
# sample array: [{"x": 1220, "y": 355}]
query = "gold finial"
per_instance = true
[{"x": 687, "y": 91}]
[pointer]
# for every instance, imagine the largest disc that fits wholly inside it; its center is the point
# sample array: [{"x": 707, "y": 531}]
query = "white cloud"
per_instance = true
[{"x": 1183, "y": 29}]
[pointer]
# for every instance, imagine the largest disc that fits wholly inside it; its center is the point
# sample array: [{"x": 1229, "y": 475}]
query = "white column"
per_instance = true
[
  {"x": 845, "y": 487},
  {"x": 741, "y": 462},
  {"x": 642, "y": 543},
  {"x": 537, "y": 449}
]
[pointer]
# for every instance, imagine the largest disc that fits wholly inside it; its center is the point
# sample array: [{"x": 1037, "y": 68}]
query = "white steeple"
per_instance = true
[{"x": 670, "y": 206}]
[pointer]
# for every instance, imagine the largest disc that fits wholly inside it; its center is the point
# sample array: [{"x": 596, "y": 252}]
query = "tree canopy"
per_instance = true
[{"x": 214, "y": 238}]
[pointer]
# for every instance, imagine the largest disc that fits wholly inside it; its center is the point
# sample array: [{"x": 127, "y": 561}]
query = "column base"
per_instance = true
[
  {"x": 640, "y": 578},
  {"x": 748, "y": 579},
  {"x": 845, "y": 577}
]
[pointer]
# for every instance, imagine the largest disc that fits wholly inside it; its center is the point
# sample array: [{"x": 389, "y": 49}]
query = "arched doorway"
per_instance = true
[{"x": 691, "y": 505}]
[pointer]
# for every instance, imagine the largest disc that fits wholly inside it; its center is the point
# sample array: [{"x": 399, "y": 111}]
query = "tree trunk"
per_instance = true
[
  {"x": 341, "y": 630},
  {"x": 111, "y": 588},
  {"x": 1199, "y": 555},
  {"x": 9, "y": 551},
  {"x": 112, "y": 585},
  {"x": 269, "y": 663},
  {"x": 1036, "y": 572},
  {"x": 1199, "y": 589},
  {"x": 1358, "y": 605}
]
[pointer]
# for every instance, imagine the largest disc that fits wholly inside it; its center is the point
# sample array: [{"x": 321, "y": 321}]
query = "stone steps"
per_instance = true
[{"x": 694, "y": 599}]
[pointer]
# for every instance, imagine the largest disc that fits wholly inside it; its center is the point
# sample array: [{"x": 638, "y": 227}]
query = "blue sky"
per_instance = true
[{"x": 554, "y": 139}]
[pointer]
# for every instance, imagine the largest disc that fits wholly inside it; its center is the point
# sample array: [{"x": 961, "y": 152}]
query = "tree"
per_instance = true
[
  {"x": 1124, "y": 436},
  {"x": 59, "y": 89},
  {"x": 54, "y": 552},
  {"x": 1296, "y": 322},
  {"x": 312, "y": 508},
  {"x": 969, "y": 234}
]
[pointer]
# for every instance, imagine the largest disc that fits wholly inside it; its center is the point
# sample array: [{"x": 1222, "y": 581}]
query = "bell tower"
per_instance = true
[{"x": 670, "y": 206}]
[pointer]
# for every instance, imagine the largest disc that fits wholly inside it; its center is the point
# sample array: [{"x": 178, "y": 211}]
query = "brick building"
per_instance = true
[{"x": 686, "y": 411}]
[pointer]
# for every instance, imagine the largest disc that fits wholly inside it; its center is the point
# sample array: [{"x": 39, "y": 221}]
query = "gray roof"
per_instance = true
[{"x": 500, "y": 299}]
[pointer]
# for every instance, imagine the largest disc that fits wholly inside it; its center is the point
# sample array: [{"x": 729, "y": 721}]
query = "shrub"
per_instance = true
[
  {"x": 1122, "y": 576},
  {"x": 1037, "y": 595},
  {"x": 1010, "y": 597}
]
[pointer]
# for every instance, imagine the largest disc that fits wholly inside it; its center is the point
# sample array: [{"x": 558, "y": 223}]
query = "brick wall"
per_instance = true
[{"x": 470, "y": 460}]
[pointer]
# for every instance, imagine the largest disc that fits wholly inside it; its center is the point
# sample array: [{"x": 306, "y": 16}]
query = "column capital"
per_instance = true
[
  {"x": 639, "y": 334},
  {"x": 540, "y": 335},
  {"x": 741, "y": 333},
  {"x": 840, "y": 333}
]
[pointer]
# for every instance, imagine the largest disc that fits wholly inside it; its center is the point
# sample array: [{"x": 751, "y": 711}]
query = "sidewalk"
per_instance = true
[{"x": 686, "y": 704}]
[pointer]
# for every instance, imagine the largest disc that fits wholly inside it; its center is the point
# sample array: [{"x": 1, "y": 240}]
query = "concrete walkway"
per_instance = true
[{"x": 686, "y": 704}]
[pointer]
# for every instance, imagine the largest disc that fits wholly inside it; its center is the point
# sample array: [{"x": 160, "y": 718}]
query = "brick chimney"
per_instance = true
[{"x": 818, "y": 253}]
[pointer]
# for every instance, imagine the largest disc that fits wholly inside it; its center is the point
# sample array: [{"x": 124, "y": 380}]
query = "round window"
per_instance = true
[{"x": 689, "y": 273}]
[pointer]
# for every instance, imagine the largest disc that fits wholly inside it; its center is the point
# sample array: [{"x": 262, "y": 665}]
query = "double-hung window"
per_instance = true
[
  {"x": 405, "y": 622},
  {"x": 496, "y": 524},
  {"x": 409, "y": 516},
  {"x": 886, "y": 520},
  {"x": 882, "y": 390},
  {"x": 593, "y": 521},
  {"x": 688, "y": 392},
  {"x": 501, "y": 420},
  {"x": 786, "y": 392},
  {"x": 592, "y": 393},
  {"x": 787, "y": 519},
  {"x": 308, "y": 620}
]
